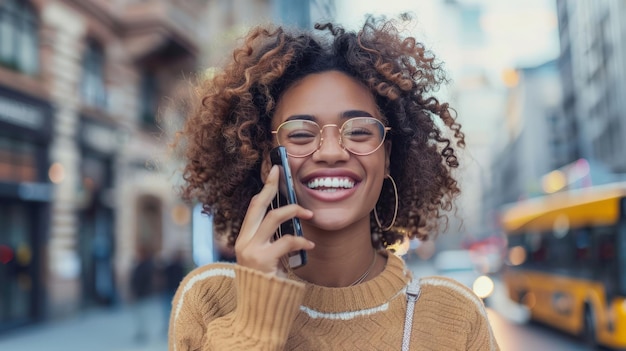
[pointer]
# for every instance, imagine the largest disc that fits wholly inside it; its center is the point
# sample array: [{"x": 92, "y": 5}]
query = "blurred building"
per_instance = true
[
  {"x": 531, "y": 135},
  {"x": 81, "y": 182},
  {"x": 91, "y": 92},
  {"x": 593, "y": 69},
  {"x": 551, "y": 135},
  {"x": 565, "y": 123},
  {"x": 226, "y": 21}
]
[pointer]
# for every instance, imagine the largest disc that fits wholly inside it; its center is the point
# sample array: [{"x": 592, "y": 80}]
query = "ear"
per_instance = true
[
  {"x": 387, "y": 156},
  {"x": 266, "y": 165}
]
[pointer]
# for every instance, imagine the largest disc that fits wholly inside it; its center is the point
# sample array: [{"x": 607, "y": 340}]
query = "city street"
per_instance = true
[
  {"x": 131, "y": 129},
  {"x": 94, "y": 330}
]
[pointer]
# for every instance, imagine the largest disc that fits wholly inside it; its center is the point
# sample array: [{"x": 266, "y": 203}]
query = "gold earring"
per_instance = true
[{"x": 395, "y": 212}]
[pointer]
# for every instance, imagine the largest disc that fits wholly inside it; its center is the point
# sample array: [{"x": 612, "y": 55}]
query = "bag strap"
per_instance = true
[{"x": 412, "y": 294}]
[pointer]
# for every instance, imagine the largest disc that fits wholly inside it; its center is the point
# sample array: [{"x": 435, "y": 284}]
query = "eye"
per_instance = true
[
  {"x": 358, "y": 134},
  {"x": 300, "y": 136}
]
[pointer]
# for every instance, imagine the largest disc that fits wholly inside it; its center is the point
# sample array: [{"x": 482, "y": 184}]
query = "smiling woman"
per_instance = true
[{"x": 371, "y": 155}]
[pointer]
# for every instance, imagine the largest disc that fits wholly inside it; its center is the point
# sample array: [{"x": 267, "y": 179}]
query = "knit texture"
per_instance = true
[{"x": 225, "y": 306}]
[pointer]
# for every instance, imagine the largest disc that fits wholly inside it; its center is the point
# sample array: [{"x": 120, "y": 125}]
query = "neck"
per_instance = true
[
  {"x": 341, "y": 259},
  {"x": 364, "y": 276}
]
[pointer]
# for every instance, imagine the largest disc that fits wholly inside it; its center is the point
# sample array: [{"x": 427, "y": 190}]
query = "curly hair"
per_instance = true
[{"x": 229, "y": 132}]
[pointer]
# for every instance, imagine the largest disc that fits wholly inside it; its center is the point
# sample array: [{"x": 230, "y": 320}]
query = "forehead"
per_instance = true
[{"x": 325, "y": 97}]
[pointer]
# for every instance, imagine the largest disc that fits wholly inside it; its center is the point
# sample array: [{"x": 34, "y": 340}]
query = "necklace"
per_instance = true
[{"x": 367, "y": 272}]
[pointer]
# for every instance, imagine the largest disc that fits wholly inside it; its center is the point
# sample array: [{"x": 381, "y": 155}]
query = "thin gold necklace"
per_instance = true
[{"x": 367, "y": 272}]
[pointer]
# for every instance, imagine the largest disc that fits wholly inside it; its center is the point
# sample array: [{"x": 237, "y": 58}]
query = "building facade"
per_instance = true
[
  {"x": 530, "y": 136},
  {"x": 593, "y": 70},
  {"x": 83, "y": 181}
]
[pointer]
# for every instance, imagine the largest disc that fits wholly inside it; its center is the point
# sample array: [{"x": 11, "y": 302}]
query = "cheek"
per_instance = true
[
  {"x": 377, "y": 171},
  {"x": 295, "y": 164},
  {"x": 380, "y": 166}
]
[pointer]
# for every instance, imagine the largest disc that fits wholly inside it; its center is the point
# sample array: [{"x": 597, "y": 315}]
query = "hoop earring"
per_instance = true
[{"x": 395, "y": 212}]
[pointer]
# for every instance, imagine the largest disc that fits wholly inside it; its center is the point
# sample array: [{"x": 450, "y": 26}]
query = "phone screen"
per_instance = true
[{"x": 278, "y": 156}]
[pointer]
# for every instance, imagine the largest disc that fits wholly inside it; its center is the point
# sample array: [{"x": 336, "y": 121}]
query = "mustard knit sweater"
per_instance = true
[{"x": 225, "y": 306}]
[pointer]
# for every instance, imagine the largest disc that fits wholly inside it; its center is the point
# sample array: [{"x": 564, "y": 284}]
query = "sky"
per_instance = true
[{"x": 517, "y": 32}]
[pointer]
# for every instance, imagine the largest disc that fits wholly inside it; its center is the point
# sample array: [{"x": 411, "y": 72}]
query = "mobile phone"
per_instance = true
[{"x": 278, "y": 156}]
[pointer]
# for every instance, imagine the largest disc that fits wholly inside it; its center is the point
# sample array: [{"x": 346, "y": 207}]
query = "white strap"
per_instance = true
[{"x": 412, "y": 294}]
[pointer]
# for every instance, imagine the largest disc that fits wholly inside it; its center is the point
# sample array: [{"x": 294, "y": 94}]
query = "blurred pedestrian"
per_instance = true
[
  {"x": 142, "y": 286},
  {"x": 371, "y": 152},
  {"x": 173, "y": 273}
]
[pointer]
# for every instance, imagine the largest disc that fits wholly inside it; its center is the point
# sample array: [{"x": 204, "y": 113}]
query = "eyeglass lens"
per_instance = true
[{"x": 359, "y": 135}]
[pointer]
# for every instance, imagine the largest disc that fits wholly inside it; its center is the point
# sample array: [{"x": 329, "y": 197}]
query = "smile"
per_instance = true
[{"x": 330, "y": 184}]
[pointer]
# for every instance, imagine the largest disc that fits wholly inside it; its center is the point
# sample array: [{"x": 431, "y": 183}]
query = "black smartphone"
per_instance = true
[{"x": 278, "y": 156}]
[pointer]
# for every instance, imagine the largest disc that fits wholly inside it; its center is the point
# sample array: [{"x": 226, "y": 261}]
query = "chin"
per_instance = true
[{"x": 336, "y": 219}]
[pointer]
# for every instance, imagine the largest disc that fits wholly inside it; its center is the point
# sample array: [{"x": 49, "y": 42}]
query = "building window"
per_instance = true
[
  {"x": 149, "y": 99},
  {"x": 19, "y": 44},
  {"x": 18, "y": 160},
  {"x": 92, "y": 88}
]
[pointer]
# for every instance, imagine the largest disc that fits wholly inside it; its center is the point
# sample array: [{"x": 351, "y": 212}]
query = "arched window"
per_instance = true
[
  {"x": 19, "y": 44},
  {"x": 92, "y": 88}
]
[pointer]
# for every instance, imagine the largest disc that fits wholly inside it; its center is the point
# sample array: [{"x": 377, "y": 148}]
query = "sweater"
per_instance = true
[{"x": 224, "y": 306}]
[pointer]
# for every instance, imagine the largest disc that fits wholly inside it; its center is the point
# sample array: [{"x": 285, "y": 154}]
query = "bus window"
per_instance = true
[
  {"x": 560, "y": 250},
  {"x": 538, "y": 249},
  {"x": 583, "y": 258},
  {"x": 606, "y": 263},
  {"x": 582, "y": 243}
]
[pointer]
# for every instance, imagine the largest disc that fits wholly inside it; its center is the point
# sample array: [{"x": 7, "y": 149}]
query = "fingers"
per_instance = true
[
  {"x": 260, "y": 225},
  {"x": 258, "y": 206},
  {"x": 289, "y": 243},
  {"x": 255, "y": 247}
]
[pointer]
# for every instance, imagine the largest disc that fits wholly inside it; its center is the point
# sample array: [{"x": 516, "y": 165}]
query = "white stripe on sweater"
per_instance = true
[{"x": 345, "y": 315}]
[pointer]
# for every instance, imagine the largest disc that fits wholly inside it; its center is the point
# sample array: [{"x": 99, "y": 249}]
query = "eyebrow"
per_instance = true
[
  {"x": 344, "y": 115},
  {"x": 355, "y": 113},
  {"x": 301, "y": 117}
]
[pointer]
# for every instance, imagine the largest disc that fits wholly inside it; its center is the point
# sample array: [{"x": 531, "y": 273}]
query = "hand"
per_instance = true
[{"x": 254, "y": 247}]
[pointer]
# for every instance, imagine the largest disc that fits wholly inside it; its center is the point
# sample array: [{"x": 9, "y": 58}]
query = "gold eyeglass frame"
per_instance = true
[{"x": 321, "y": 134}]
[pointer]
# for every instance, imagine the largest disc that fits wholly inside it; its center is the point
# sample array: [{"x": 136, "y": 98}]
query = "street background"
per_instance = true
[{"x": 93, "y": 235}]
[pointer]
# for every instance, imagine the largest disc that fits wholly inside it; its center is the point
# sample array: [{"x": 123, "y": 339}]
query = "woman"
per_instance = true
[{"x": 371, "y": 153}]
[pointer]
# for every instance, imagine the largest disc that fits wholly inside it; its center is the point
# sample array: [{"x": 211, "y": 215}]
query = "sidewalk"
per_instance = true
[{"x": 95, "y": 330}]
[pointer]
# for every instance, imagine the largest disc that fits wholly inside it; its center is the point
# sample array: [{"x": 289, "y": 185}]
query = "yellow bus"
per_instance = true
[{"x": 567, "y": 261}]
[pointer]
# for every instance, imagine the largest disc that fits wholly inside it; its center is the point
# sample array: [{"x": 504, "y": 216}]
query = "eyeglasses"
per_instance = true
[{"x": 359, "y": 135}]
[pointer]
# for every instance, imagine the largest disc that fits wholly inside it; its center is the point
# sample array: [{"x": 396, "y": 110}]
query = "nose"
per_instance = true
[{"x": 331, "y": 150}]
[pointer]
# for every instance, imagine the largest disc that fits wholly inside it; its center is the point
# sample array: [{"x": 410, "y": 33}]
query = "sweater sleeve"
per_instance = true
[
  {"x": 482, "y": 337},
  {"x": 459, "y": 309},
  {"x": 254, "y": 313}
]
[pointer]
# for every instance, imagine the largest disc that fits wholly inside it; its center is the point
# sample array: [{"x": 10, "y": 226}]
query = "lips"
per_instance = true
[{"x": 330, "y": 184}]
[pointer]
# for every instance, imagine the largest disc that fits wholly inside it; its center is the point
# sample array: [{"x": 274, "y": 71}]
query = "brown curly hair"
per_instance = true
[{"x": 227, "y": 135}]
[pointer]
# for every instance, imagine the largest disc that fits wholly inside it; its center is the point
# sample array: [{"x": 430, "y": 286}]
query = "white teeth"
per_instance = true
[{"x": 331, "y": 184}]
